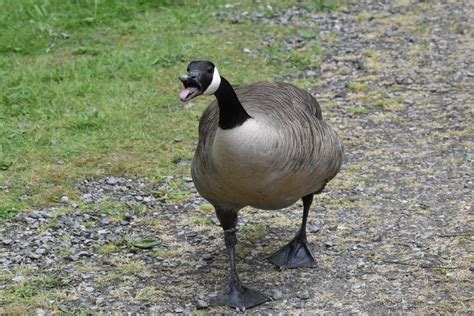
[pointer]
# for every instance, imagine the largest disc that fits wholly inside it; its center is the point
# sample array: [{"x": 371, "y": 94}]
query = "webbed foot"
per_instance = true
[
  {"x": 295, "y": 254},
  {"x": 240, "y": 297}
]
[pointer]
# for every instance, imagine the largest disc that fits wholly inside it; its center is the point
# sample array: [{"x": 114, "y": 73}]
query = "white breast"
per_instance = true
[
  {"x": 250, "y": 169},
  {"x": 244, "y": 149}
]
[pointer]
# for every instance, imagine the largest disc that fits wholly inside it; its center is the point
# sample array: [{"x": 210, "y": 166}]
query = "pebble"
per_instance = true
[
  {"x": 34, "y": 255},
  {"x": 64, "y": 199},
  {"x": 112, "y": 180},
  {"x": 7, "y": 241},
  {"x": 19, "y": 279},
  {"x": 319, "y": 209},
  {"x": 89, "y": 289},
  {"x": 201, "y": 304},
  {"x": 88, "y": 199},
  {"x": 277, "y": 294},
  {"x": 40, "y": 251},
  {"x": 83, "y": 254},
  {"x": 304, "y": 295},
  {"x": 207, "y": 257}
]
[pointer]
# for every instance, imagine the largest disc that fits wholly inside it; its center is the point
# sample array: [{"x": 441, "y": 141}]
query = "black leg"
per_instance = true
[
  {"x": 296, "y": 254},
  {"x": 236, "y": 294}
]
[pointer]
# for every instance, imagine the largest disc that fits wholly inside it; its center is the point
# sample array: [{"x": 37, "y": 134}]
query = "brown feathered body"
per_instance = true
[{"x": 284, "y": 152}]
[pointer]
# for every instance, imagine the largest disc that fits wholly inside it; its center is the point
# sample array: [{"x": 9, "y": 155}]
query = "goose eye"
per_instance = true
[
  {"x": 187, "y": 69},
  {"x": 209, "y": 69}
]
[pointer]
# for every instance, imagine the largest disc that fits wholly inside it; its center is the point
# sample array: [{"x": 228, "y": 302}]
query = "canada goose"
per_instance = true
[{"x": 263, "y": 145}]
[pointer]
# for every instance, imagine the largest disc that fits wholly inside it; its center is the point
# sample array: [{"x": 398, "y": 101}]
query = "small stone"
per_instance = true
[
  {"x": 277, "y": 294},
  {"x": 201, "y": 304},
  {"x": 34, "y": 255},
  {"x": 179, "y": 309},
  {"x": 124, "y": 223},
  {"x": 40, "y": 251},
  {"x": 319, "y": 209},
  {"x": 329, "y": 244},
  {"x": 303, "y": 295},
  {"x": 112, "y": 180},
  {"x": 361, "y": 262},
  {"x": 34, "y": 215},
  {"x": 71, "y": 258},
  {"x": 207, "y": 257},
  {"x": 19, "y": 278},
  {"x": 84, "y": 254},
  {"x": 313, "y": 228},
  {"x": 377, "y": 238},
  {"x": 64, "y": 199},
  {"x": 88, "y": 199},
  {"x": 89, "y": 289},
  {"x": 7, "y": 241},
  {"x": 40, "y": 312},
  {"x": 105, "y": 221}
]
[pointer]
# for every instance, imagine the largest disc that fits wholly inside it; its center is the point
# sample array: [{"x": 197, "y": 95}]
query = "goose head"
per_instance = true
[{"x": 202, "y": 79}]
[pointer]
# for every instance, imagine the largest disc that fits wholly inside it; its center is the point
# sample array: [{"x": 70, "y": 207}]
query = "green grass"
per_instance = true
[
  {"x": 358, "y": 110},
  {"x": 253, "y": 232},
  {"x": 206, "y": 209},
  {"x": 357, "y": 86},
  {"x": 108, "y": 248},
  {"x": 89, "y": 88},
  {"x": 35, "y": 291}
]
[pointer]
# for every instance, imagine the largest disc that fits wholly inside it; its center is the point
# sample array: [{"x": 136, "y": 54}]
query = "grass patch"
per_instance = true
[
  {"x": 253, "y": 232},
  {"x": 357, "y": 86},
  {"x": 53, "y": 225},
  {"x": 7, "y": 213},
  {"x": 150, "y": 294},
  {"x": 108, "y": 248},
  {"x": 90, "y": 89},
  {"x": 358, "y": 110},
  {"x": 390, "y": 104},
  {"x": 128, "y": 266},
  {"x": 201, "y": 220},
  {"x": 32, "y": 292},
  {"x": 115, "y": 209},
  {"x": 206, "y": 208}
]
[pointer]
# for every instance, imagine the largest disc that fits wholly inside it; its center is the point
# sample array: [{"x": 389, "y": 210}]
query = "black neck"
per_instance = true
[{"x": 231, "y": 111}]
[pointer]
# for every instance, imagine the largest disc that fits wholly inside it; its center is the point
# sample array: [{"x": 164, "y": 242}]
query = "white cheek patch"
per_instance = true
[{"x": 215, "y": 83}]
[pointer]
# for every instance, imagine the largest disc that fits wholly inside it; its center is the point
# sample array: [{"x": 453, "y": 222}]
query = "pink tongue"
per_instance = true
[{"x": 185, "y": 93}]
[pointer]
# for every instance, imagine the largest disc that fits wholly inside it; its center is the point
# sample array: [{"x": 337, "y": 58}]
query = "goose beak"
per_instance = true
[
  {"x": 192, "y": 88},
  {"x": 183, "y": 78}
]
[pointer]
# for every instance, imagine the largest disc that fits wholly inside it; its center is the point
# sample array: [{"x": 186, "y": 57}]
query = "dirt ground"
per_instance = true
[{"x": 393, "y": 231}]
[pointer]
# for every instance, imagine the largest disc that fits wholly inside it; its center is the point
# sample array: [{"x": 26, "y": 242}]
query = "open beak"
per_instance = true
[{"x": 192, "y": 88}]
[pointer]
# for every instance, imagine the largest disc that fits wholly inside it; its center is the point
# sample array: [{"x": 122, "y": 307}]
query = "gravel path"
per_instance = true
[{"x": 393, "y": 232}]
